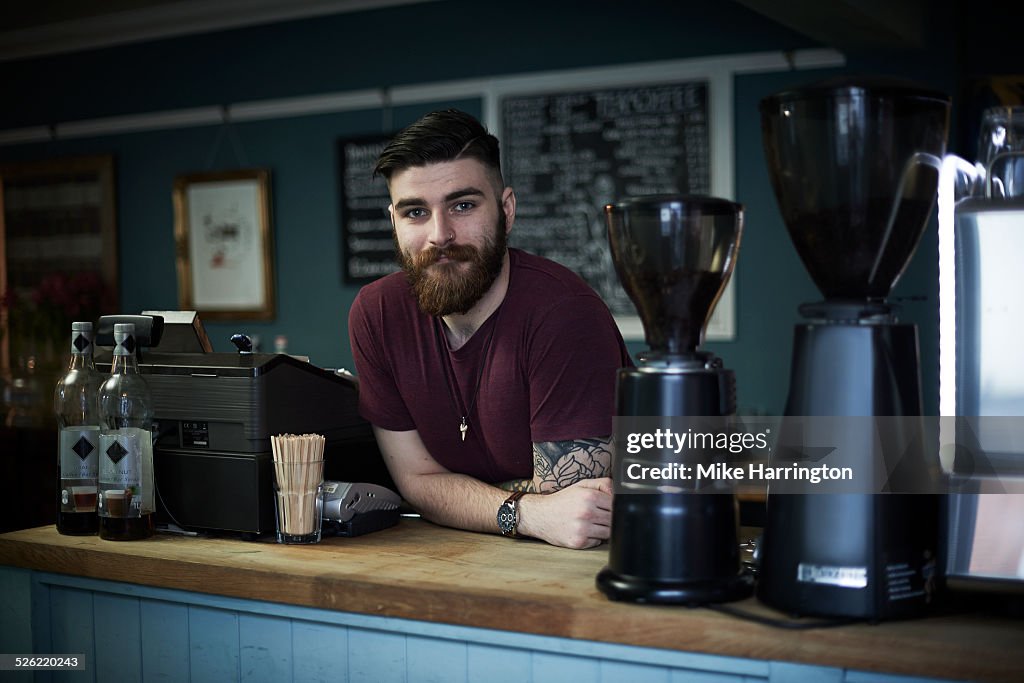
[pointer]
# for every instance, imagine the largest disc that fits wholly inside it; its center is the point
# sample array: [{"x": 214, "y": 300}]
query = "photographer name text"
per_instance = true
[{"x": 814, "y": 474}]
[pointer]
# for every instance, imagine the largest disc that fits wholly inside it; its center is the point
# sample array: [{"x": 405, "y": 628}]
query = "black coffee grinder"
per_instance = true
[
  {"x": 854, "y": 165},
  {"x": 674, "y": 256}
]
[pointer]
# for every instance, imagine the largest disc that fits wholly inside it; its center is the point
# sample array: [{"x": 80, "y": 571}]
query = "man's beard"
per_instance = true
[{"x": 442, "y": 288}]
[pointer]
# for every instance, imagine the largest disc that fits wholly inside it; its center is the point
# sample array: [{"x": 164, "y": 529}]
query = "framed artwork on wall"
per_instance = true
[{"x": 224, "y": 244}]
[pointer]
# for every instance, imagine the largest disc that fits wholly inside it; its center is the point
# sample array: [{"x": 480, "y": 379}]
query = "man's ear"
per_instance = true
[
  {"x": 391, "y": 214},
  {"x": 508, "y": 205}
]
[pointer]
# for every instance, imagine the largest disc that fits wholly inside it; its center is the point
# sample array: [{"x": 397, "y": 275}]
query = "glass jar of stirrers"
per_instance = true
[{"x": 298, "y": 486}]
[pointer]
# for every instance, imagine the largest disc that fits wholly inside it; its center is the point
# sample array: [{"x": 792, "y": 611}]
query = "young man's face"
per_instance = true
[{"x": 451, "y": 224}]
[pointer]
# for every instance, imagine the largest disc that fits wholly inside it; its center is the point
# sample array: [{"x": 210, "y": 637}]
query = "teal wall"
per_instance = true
[{"x": 435, "y": 41}]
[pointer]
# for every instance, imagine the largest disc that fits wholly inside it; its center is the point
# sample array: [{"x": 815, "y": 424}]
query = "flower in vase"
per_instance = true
[{"x": 39, "y": 318}]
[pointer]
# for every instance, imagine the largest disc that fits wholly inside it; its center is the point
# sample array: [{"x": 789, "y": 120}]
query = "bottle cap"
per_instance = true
[
  {"x": 124, "y": 339},
  {"x": 81, "y": 337}
]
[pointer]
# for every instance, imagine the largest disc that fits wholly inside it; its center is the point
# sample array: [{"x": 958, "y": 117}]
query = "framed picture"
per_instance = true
[{"x": 224, "y": 245}]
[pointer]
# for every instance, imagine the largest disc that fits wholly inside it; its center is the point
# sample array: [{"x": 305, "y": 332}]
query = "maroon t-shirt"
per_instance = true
[{"x": 548, "y": 372}]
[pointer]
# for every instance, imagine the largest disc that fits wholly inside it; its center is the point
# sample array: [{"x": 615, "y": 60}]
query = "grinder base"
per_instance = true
[{"x": 673, "y": 592}]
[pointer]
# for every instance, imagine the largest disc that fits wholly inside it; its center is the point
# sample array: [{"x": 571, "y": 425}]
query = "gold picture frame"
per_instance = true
[{"x": 224, "y": 244}]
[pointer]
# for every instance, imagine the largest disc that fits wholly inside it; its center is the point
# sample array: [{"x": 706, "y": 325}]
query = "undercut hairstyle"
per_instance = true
[{"x": 447, "y": 135}]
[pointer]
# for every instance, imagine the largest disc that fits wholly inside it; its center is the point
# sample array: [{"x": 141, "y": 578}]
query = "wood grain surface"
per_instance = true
[{"x": 421, "y": 571}]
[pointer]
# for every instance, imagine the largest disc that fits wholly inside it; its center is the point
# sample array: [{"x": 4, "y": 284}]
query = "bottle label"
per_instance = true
[
  {"x": 79, "y": 464},
  {"x": 126, "y": 473}
]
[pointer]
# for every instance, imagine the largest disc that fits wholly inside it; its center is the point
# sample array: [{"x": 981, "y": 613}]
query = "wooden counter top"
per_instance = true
[{"x": 420, "y": 571}]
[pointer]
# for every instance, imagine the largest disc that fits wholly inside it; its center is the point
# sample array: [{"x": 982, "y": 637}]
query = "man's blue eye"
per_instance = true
[
  {"x": 464, "y": 206},
  {"x": 415, "y": 213}
]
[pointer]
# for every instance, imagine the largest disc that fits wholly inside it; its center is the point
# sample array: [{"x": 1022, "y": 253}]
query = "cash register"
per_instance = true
[{"x": 214, "y": 415}]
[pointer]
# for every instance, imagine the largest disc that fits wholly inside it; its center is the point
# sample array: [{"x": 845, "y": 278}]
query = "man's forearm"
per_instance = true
[
  {"x": 457, "y": 500},
  {"x": 577, "y": 516},
  {"x": 557, "y": 464}
]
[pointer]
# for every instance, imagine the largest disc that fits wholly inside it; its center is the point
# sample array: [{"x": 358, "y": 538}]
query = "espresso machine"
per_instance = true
[
  {"x": 981, "y": 369},
  {"x": 674, "y": 256},
  {"x": 854, "y": 164}
]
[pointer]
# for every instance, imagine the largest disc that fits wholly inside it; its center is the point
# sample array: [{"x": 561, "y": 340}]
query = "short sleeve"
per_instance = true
[
  {"x": 574, "y": 356},
  {"x": 380, "y": 401}
]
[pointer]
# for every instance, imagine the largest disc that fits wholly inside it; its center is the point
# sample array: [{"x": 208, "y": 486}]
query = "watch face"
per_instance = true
[{"x": 507, "y": 519}]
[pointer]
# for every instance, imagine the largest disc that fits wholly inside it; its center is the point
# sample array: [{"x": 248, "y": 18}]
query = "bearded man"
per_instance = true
[{"x": 483, "y": 369}]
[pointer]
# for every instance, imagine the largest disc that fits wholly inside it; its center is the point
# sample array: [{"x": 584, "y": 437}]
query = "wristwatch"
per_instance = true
[{"x": 508, "y": 515}]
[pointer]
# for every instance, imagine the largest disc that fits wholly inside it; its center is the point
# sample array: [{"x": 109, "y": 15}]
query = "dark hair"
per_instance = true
[{"x": 439, "y": 136}]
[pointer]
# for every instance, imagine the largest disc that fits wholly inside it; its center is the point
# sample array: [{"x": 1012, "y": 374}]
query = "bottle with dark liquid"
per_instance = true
[
  {"x": 74, "y": 402},
  {"x": 126, "y": 486}
]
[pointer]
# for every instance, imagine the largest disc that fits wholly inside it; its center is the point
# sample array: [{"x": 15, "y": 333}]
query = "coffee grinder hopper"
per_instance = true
[
  {"x": 854, "y": 164},
  {"x": 674, "y": 255}
]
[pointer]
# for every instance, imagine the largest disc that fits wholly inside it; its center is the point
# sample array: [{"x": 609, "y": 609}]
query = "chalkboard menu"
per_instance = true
[
  {"x": 569, "y": 154},
  {"x": 367, "y": 250}
]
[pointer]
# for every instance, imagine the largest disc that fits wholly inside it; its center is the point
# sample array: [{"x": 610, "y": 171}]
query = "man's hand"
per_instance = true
[{"x": 578, "y": 516}]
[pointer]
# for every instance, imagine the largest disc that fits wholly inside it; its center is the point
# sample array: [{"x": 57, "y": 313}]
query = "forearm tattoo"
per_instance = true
[
  {"x": 525, "y": 485},
  {"x": 557, "y": 464}
]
